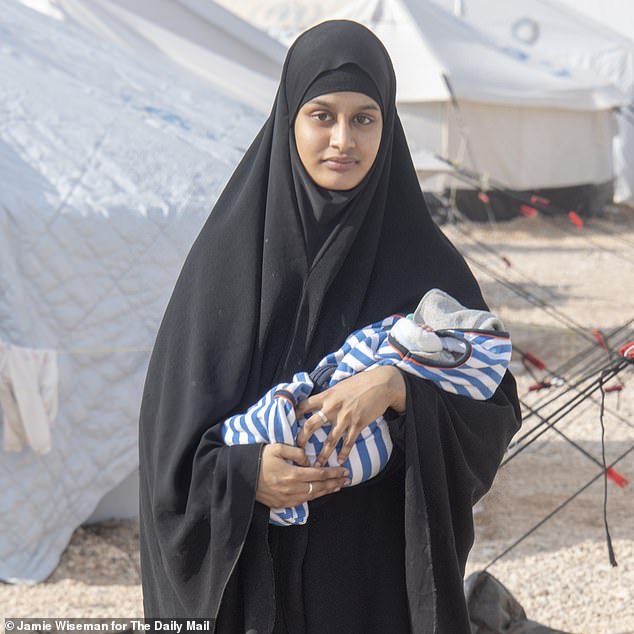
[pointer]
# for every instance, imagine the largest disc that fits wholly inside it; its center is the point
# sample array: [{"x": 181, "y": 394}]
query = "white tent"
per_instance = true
[
  {"x": 617, "y": 14},
  {"x": 558, "y": 35},
  {"x": 234, "y": 56},
  {"x": 527, "y": 126},
  {"x": 109, "y": 168}
]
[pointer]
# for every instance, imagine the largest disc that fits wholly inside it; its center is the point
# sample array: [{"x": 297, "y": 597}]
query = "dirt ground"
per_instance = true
[{"x": 560, "y": 573}]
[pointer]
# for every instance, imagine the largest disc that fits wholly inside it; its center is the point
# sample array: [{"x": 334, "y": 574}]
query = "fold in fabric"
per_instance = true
[
  {"x": 28, "y": 396},
  {"x": 451, "y": 457}
]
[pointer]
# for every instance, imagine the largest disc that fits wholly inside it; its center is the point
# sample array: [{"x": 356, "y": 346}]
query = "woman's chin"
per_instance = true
[{"x": 339, "y": 182}]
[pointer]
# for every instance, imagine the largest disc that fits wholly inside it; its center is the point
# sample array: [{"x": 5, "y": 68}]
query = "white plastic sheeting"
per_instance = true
[
  {"x": 525, "y": 124},
  {"x": 232, "y": 55},
  {"x": 562, "y": 37},
  {"x": 108, "y": 170}
]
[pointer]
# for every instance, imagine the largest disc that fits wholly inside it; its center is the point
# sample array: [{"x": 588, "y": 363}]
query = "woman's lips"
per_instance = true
[{"x": 339, "y": 165}]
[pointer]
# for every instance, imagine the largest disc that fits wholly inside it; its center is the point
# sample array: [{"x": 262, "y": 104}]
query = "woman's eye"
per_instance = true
[
  {"x": 363, "y": 119},
  {"x": 321, "y": 116}
]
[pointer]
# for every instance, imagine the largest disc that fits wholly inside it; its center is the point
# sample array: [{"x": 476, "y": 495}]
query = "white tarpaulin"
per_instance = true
[
  {"x": 234, "y": 56},
  {"x": 559, "y": 36},
  {"x": 526, "y": 125},
  {"x": 617, "y": 14},
  {"x": 108, "y": 170}
]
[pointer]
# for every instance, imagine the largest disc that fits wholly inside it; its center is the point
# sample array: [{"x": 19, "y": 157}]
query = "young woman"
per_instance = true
[{"x": 321, "y": 229}]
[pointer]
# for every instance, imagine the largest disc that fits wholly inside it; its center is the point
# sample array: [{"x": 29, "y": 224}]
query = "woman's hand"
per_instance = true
[
  {"x": 350, "y": 406},
  {"x": 284, "y": 485}
]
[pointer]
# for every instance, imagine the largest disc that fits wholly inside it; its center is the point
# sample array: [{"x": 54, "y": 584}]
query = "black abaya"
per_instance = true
[{"x": 267, "y": 290}]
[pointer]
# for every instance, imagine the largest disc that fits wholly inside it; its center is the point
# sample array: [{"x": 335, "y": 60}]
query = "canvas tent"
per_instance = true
[
  {"x": 530, "y": 127},
  {"x": 617, "y": 14},
  {"x": 234, "y": 56},
  {"x": 559, "y": 35},
  {"x": 109, "y": 168}
]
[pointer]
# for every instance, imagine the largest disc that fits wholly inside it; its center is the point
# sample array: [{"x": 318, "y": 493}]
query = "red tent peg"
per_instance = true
[
  {"x": 528, "y": 211},
  {"x": 575, "y": 219},
  {"x": 613, "y": 388},
  {"x": 531, "y": 358},
  {"x": 627, "y": 350},
  {"x": 484, "y": 197},
  {"x": 542, "y": 385},
  {"x": 598, "y": 335},
  {"x": 539, "y": 200},
  {"x": 617, "y": 478}
]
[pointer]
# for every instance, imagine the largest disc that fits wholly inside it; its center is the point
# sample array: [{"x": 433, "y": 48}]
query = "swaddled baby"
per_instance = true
[{"x": 461, "y": 350}]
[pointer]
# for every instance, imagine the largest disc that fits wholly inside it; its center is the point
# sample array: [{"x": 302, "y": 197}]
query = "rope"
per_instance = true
[
  {"x": 608, "y": 538},
  {"x": 533, "y": 299},
  {"x": 560, "y": 413},
  {"x": 494, "y": 252},
  {"x": 606, "y": 471},
  {"x": 556, "y": 510},
  {"x": 616, "y": 477},
  {"x": 582, "y": 356}
]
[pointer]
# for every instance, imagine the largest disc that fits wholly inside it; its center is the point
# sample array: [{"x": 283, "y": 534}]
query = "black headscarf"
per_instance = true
[{"x": 268, "y": 288}]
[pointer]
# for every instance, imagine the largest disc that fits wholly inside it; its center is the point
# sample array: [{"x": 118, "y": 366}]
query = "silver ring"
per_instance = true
[
  {"x": 323, "y": 416},
  {"x": 310, "y": 489}
]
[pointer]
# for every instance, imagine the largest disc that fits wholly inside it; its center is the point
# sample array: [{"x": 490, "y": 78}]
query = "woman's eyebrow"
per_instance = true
[{"x": 325, "y": 104}]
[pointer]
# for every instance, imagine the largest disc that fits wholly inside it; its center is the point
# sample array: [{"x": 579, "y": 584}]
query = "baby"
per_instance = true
[{"x": 462, "y": 351}]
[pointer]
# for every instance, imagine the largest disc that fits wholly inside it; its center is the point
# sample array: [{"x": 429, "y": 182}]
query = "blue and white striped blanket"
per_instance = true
[{"x": 475, "y": 369}]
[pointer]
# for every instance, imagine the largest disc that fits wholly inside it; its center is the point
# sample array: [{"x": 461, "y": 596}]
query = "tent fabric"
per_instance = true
[
  {"x": 426, "y": 41},
  {"x": 526, "y": 125},
  {"x": 234, "y": 56},
  {"x": 564, "y": 39},
  {"x": 108, "y": 171},
  {"x": 530, "y": 148},
  {"x": 617, "y": 14}
]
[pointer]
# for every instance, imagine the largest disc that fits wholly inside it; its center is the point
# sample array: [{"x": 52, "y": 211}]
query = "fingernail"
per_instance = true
[
  {"x": 346, "y": 472},
  {"x": 346, "y": 482}
]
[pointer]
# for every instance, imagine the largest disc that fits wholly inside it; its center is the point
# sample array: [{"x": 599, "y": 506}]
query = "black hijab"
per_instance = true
[{"x": 268, "y": 288}]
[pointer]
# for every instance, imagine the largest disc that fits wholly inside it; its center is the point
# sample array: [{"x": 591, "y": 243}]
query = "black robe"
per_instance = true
[{"x": 269, "y": 287}]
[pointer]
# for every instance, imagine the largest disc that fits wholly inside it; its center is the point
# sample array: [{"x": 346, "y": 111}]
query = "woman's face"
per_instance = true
[{"x": 337, "y": 137}]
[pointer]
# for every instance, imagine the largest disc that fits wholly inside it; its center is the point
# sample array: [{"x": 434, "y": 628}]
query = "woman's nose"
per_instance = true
[{"x": 341, "y": 137}]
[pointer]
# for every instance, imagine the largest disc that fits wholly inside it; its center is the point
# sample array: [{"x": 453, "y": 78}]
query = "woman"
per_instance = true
[{"x": 321, "y": 229}]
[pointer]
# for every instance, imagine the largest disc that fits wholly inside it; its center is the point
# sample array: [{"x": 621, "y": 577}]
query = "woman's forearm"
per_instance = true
[{"x": 395, "y": 386}]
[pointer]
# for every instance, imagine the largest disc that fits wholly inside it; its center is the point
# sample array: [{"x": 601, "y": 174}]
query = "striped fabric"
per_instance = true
[{"x": 475, "y": 373}]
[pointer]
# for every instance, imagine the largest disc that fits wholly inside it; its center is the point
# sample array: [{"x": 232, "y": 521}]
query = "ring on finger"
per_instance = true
[
  {"x": 310, "y": 489},
  {"x": 323, "y": 416}
]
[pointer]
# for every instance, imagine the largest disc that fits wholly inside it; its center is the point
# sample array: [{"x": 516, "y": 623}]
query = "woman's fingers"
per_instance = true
[
  {"x": 310, "y": 404},
  {"x": 319, "y": 489},
  {"x": 282, "y": 484},
  {"x": 288, "y": 452},
  {"x": 350, "y": 433},
  {"x": 318, "y": 419},
  {"x": 349, "y": 443},
  {"x": 336, "y": 433},
  {"x": 339, "y": 427},
  {"x": 320, "y": 474},
  {"x": 316, "y": 482}
]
